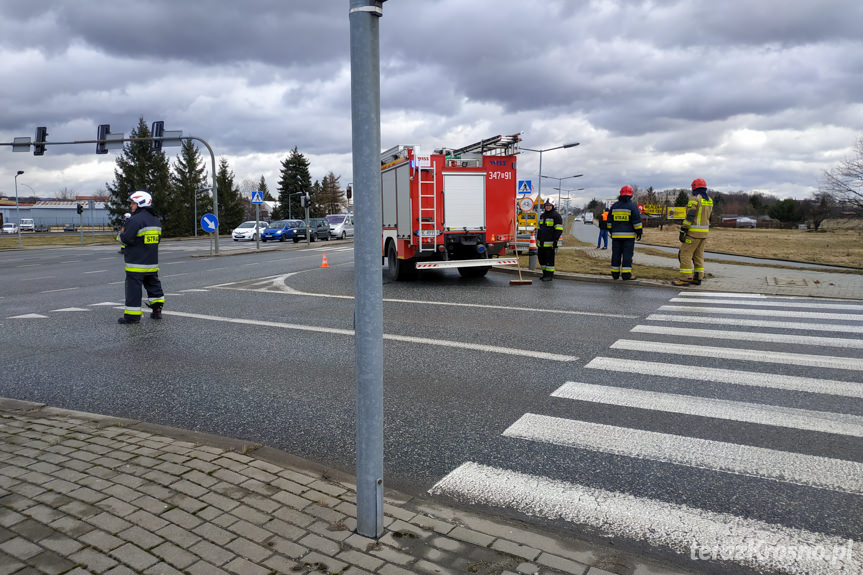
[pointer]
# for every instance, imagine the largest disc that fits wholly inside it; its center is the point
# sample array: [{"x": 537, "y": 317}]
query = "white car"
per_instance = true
[
  {"x": 246, "y": 230},
  {"x": 10, "y": 228}
]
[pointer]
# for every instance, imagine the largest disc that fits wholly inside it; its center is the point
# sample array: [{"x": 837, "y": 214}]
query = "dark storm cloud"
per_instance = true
[{"x": 653, "y": 89}]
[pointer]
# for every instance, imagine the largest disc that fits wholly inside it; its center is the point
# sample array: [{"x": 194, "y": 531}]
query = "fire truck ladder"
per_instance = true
[
  {"x": 499, "y": 145},
  {"x": 427, "y": 212}
]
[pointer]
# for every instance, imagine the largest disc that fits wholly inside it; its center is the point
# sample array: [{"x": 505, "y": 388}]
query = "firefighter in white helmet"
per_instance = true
[{"x": 141, "y": 236}]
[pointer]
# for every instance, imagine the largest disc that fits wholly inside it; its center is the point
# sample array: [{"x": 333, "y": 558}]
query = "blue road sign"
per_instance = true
[
  {"x": 257, "y": 197},
  {"x": 525, "y": 187},
  {"x": 209, "y": 223}
]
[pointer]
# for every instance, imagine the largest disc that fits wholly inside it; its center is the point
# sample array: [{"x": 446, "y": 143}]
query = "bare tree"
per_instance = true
[
  {"x": 66, "y": 194},
  {"x": 845, "y": 181}
]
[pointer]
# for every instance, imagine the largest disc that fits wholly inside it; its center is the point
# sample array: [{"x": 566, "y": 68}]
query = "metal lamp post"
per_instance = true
[
  {"x": 571, "y": 145},
  {"x": 17, "y": 211},
  {"x": 559, "y": 182}
]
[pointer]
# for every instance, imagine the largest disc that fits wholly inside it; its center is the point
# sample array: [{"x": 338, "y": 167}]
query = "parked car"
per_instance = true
[
  {"x": 319, "y": 228},
  {"x": 744, "y": 222},
  {"x": 27, "y": 225},
  {"x": 10, "y": 228},
  {"x": 246, "y": 230},
  {"x": 282, "y": 230},
  {"x": 70, "y": 228},
  {"x": 341, "y": 225}
]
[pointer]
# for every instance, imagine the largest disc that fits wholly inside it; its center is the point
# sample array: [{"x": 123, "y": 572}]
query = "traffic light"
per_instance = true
[
  {"x": 349, "y": 191},
  {"x": 157, "y": 133},
  {"x": 80, "y": 209},
  {"x": 101, "y": 133},
  {"x": 306, "y": 201},
  {"x": 39, "y": 145}
]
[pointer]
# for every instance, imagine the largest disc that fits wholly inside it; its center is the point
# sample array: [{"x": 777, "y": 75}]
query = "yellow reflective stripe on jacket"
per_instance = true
[{"x": 142, "y": 268}]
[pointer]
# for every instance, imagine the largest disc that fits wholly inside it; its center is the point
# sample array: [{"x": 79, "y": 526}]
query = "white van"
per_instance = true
[
  {"x": 588, "y": 217},
  {"x": 341, "y": 225},
  {"x": 27, "y": 225}
]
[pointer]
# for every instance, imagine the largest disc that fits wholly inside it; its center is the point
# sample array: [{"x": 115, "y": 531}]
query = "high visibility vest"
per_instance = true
[{"x": 697, "y": 222}]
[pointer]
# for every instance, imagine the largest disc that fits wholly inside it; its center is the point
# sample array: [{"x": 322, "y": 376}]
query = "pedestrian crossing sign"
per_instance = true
[
  {"x": 257, "y": 197},
  {"x": 525, "y": 187}
]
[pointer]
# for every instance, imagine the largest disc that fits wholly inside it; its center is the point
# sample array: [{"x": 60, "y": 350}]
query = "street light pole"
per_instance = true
[
  {"x": 570, "y": 145},
  {"x": 560, "y": 182},
  {"x": 17, "y": 211}
]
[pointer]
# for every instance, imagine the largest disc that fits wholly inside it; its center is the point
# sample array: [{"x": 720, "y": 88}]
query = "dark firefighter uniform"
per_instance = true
[
  {"x": 624, "y": 223},
  {"x": 141, "y": 236},
  {"x": 549, "y": 230},
  {"x": 693, "y": 235}
]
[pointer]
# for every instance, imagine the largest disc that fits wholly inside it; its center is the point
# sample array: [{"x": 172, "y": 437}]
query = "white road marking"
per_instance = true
[
  {"x": 770, "y": 312},
  {"x": 678, "y": 527},
  {"x": 750, "y": 336},
  {"x": 28, "y": 316},
  {"x": 62, "y": 289},
  {"x": 796, "y": 468},
  {"x": 791, "y": 417},
  {"x": 96, "y": 272},
  {"x": 70, "y": 309},
  {"x": 824, "y": 361},
  {"x": 392, "y": 337},
  {"x": 278, "y": 282},
  {"x": 110, "y": 303},
  {"x": 811, "y": 305},
  {"x": 833, "y": 328},
  {"x": 736, "y": 377}
]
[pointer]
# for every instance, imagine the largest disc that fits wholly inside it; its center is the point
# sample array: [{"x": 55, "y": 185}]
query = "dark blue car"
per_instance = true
[{"x": 285, "y": 230}]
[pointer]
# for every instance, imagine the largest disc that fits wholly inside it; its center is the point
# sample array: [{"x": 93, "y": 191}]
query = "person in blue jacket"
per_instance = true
[
  {"x": 141, "y": 236},
  {"x": 624, "y": 223}
]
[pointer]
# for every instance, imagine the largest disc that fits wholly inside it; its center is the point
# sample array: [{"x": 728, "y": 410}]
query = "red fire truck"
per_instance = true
[{"x": 449, "y": 209}]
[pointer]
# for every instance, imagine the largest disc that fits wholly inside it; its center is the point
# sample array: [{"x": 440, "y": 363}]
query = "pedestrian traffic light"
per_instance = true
[
  {"x": 157, "y": 133},
  {"x": 101, "y": 133},
  {"x": 39, "y": 145},
  {"x": 349, "y": 191},
  {"x": 80, "y": 209},
  {"x": 306, "y": 201}
]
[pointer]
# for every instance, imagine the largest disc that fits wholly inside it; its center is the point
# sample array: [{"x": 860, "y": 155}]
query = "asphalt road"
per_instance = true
[{"x": 258, "y": 346}]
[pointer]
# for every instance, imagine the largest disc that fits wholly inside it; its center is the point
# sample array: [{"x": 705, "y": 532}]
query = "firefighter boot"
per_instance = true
[
  {"x": 614, "y": 275},
  {"x": 157, "y": 310},
  {"x": 681, "y": 283},
  {"x": 128, "y": 318},
  {"x": 549, "y": 277},
  {"x": 628, "y": 277},
  {"x": 546, "y": 276},
  {"x": 696, "y": 279}
]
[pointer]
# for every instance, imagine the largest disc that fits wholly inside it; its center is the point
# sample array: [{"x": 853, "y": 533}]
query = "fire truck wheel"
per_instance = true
[
  {"x": 399, "y": 270},
  {"x": 471, "y": 273}
]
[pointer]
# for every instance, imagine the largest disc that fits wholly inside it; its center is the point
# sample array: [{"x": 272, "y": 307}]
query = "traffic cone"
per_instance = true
[
  {"x": 324, "y": 263},
  {"x": 531, "y": 247}
]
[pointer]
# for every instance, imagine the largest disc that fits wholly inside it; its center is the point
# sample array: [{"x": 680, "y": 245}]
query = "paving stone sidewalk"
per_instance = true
[{"x": 82, "y": 493}]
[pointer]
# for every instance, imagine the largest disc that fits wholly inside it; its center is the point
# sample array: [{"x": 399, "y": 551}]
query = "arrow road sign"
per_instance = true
[{"x": 209, "y": 223}]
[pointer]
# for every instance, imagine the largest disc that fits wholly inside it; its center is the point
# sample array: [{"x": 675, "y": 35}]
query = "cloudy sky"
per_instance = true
[{"x": 754, "y": 95}]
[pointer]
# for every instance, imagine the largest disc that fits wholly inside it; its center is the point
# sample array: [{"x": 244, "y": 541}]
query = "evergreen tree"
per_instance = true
[
  {"x": 140, "y": 168},
  {"x": 295, "y": 180},
  {"x": 231, "y": 208},
  {"x": 190, "y": 200},
  {"x": 332, "y": 199},
  {"x": 682, "y": 199},
  {"x": 262, "y": 186}
]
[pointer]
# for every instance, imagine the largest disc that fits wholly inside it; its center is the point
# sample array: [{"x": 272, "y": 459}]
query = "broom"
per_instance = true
[{"x": 519, "y": 281}]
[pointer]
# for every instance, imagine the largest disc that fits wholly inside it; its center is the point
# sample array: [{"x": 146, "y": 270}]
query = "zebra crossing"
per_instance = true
[{"x": 779, "y": 396}]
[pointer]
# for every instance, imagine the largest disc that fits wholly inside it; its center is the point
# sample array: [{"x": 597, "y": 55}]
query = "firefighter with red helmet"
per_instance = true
[
  {"x": 141, "y": 235},
  {"x": 624, "y": 223},
  {"x": 549, "y": 230},
  {"x": 693, "y": 235}
]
